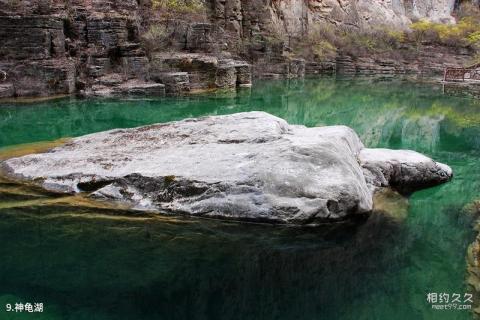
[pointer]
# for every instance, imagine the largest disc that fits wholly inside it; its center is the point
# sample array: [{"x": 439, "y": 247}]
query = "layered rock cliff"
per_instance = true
[
  {"x": 58, "y": 47},
  {"x": 95, "y": 47},
  {"x": 256, "y": 22},
  {"x": 294, "y": 17}
]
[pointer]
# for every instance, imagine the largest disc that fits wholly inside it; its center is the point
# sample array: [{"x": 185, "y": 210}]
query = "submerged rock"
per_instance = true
[{"x": 246, "y": 166}]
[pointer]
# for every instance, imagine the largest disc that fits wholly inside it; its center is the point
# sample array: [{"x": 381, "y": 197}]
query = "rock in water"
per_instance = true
[
  {"x": 404, "y": 170},
  {"x": 246, "y": 166}
]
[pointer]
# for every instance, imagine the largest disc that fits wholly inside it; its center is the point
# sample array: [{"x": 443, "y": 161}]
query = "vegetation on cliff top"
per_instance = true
[
  {"x": 465, "y": 33},
  {"x": 325, "y": 41}
]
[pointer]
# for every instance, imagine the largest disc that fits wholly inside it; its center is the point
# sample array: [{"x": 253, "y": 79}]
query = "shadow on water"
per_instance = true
[{"x": 86, "y": 263}]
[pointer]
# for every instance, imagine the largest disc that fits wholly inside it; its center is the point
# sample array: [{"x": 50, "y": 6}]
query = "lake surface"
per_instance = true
[{"x": 84, "y": 262}]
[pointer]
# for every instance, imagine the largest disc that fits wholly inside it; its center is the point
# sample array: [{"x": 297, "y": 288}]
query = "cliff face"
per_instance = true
[
  {"x": 94, "y": 47},
  {"x": 256, "y": 22},
  {"x": 296, "y": 16},
  {"x": 91, "y": 46},
  {"x": 56, "y": 47}
]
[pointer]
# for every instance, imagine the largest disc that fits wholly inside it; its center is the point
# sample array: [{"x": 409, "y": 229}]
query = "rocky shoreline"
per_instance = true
[{"x": 97, "y": 49}]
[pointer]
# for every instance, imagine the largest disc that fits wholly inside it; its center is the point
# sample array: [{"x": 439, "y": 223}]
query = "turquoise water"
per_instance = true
[{"x": 88, "y": 263}]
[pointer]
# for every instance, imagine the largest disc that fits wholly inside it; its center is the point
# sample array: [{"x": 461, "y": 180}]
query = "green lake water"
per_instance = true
[{"x": 87, "y": 263}]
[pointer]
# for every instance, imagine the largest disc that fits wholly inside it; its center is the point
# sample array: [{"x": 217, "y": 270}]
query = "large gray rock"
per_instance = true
[{"x": 246, "y": 166}]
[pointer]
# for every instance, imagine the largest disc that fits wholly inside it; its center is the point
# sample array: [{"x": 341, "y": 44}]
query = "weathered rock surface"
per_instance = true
[
  {"x": 34, "y": 37},
  {"x": 246, "y": 166},
  {"x": 260, "y": 21},
  {"x": 404, "y": 170},
  {"x": 203, "y": 71},
  {"x": 429, "y": 61},
  {"x": 63, "y": 47},
  {"x": 294, "y": 17},
  {"x": 40, "y": 77},
  {"x": 175, "y": 82},
  {"x": 111, "y": 87},
  {"x": 6, "y": 90}
]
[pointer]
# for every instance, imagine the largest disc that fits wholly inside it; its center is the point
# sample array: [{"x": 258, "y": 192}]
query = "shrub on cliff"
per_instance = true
[
  {"x": 179, "y": 5},
  {"x": 370, "y": 41},
  {"x": 466, "y": 32},
  {"x": 155, "y": 38},
  {"x": 325, "y": 41},
  {"x": 319, "y": 44},
  {"x": 186, "y": 9}
]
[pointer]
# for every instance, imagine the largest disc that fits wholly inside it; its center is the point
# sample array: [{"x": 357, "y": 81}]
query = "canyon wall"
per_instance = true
[
  {"x": 94, "y": 47},
  {"x": 295, "y": 17},
  {"x": 58, "y": 47}
]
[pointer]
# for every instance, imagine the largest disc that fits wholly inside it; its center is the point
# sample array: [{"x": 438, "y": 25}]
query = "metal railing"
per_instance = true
[
  {"x": 454, "y": 74},
  {"x": 459, "y": 74}
]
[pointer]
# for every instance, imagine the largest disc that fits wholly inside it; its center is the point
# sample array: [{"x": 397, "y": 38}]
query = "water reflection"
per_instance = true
[
  {"x": 193, "y": 269},
  {"x": 83, "y": 261},
  {"x": 390, "y": 113}
]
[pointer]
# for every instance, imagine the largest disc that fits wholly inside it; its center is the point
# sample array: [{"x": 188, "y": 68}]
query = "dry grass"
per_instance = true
[
  {"x": 189, "y": 10},
  {"x": 325, "y": 41},
  {"x": 155, "y": 38}
]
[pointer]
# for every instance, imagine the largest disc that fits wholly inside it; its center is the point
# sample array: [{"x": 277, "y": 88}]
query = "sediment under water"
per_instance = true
[{"x": 87, "y": 260}]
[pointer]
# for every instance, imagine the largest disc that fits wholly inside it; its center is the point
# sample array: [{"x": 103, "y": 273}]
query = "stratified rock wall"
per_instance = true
[
  {"x": 33, "y": 55},
  {"x": 94, "y": 47},
  {"x": 246, "y": 17},
  {"x": 270, "y": 29},
  {"x": 59, "y": 47}
]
